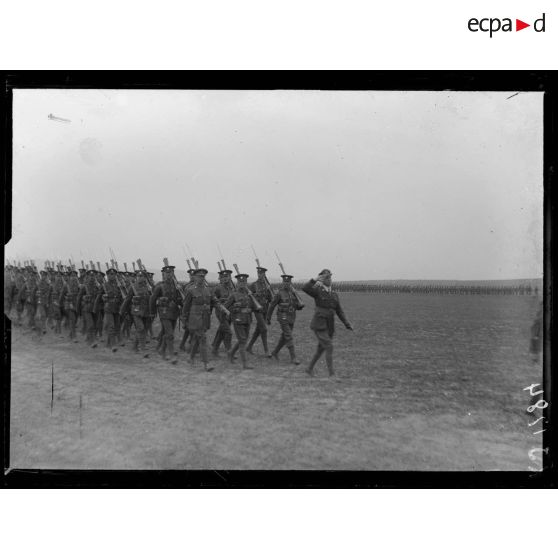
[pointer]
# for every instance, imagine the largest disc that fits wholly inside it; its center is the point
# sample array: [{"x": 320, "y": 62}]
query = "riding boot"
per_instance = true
[
  {"x": 329, "y": 362},
  {"x": 264, "y": 341},
  {"x": 255, "y": 336},
  {"x": 245, "y": 364},
  {"x": 315, "y": 358}
]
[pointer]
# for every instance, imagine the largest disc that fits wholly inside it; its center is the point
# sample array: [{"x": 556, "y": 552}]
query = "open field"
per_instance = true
[{"x": 426, "y": 382}]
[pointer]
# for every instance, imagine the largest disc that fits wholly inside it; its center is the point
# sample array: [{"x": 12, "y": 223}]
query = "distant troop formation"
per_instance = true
[{"x": 111, "y": 307}]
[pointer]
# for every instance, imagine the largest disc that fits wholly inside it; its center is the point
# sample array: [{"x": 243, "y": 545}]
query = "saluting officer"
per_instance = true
[
  {"x": 323, "y": 322},
  {"x": 222, "y": 293},
  {"x": 287, "y": 306},
  {"x": 241, "y": 304},
  {"x": 262, "y": 293},
  {"x": 167, "y": 300}
]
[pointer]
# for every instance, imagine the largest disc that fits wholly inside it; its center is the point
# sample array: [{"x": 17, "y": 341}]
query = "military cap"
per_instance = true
[
  {"x": 261, "y": 269},
  {"x": 140, "y": 272},
  {"x": 225, "y": 272},
  {"x": 191, "y": 271},
  {"x": 286, "y": 276},
  {"x": 72, "y": 272},
  {"x": 325, "y": 272},
  {"x": 167, "y": 268},
  {"x": 43, "y": 272},
  {"x": 200, "y": 271},
  {"x": 111, "y": 270},
  {"x": 82, "y": 270},
  {"x": 99, "y": 272},
  {"x": 242, "y": 276}
]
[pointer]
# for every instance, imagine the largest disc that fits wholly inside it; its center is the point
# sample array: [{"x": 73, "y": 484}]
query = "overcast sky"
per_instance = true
[{"x": 374, "y": 185}]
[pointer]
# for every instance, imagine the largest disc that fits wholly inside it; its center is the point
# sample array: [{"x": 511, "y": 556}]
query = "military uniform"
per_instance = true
[
  {"x": 287, "y": 305},
  {"x": 43, "y": 302},
  {"x": 241, "y": 305},
  {"x": 199, "y": 302},
  {"x": 166, "y": 299},
  {"x": 68, "y": 300},
  {"x": 323, "y": 321},
  {"x": 31, "y": 298},
  {"x": 126, "y": 319},
  {"x": 112, "y": 300},
  {"x": 186, "y": 333},
  {"x": 20, "y": 295},
  {"x": 222, "y": 293},
  {"x": 262, "y": 293},
  {"x": 136, "y": 304},
  {"x": 55, "y": 306},
  {"x": 88, "y": 295},
  {"x": 99, "y": 306}
]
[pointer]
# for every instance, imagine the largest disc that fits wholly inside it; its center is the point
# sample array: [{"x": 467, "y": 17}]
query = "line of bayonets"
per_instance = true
[{"x": 192, "y": 262}]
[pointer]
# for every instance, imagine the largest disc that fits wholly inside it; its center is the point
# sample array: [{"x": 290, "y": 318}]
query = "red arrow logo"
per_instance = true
[{"x": 519, "y": 25}]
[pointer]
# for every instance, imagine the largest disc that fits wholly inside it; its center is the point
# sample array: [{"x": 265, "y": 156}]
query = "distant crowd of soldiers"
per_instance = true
[{"x": 113, "y": 306}]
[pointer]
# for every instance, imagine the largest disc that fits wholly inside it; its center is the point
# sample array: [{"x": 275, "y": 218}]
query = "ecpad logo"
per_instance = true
[{"x": 492, "y": 25}]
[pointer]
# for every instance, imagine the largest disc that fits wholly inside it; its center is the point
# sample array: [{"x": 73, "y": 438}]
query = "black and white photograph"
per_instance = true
[{"x": 282, "y": 279}]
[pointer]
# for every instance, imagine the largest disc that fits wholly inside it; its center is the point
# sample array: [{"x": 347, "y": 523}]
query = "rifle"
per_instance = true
[
  {"x": 175, "y": 281},
  {"x": 142, "y": 268},
  {"x": 270, "y": 288},
  {"x": 252, "y": 297},
  {"x": 120, "y": 281},
  {"x": 297, "y": 296},
  {"x": 225, "y": 267}
]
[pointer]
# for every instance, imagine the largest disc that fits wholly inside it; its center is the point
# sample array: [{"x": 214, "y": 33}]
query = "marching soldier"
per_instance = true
[
  {"x": 167, "y": 300},
  {"x": 287, "y": 305},
  {"x": 88, "y": 294},
  {"x": 31, "y": 297},
  {"x": 20, "y": 295},
  {"x": 323, "y": 322},
  {"x": 82, "y": 279},
  {"x": 136, "y": 304},
  {"x": 68, "y": 300},
  {"x": 186, "y": 333},
  {"x": 10, "y": 289},
  {"x": 196, "y": 315},
  {"x": 112, "y": 300},
  {"x": 99, "y": 306},
  {"x": 56, "y": 307},
  {"x": 222, "y": 293},
  {"x": 126, "y": 316},
  {"x": 262, "y": 293},
  {"x": 241, "y": 303},
  {"x": 43, "y": 302}
]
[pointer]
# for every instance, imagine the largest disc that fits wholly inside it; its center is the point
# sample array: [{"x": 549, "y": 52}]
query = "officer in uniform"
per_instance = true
[
  {"x": 262, "y": 293},
  {"x": 112, "y": 300},
  {"x": 43, "y": 302},
  {"x": 222, "y": 293},
  {"x": 186, "y": 333},
  {"x": 31, "y": 297},
  {"x": 323, "y": 322},
  {"x": 241, "y": 303},
  {"x": 68, "y": 300},
  {"x": 287, "y": 304},
  {"x": 88, "y": 294},
  {"x": 167, "y": 300},
  {"x": 137, "y": 304},
  {"x": 196, "y": 315}
]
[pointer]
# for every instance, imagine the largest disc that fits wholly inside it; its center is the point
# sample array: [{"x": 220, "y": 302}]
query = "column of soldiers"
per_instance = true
[{"x": 108, "y": 308}]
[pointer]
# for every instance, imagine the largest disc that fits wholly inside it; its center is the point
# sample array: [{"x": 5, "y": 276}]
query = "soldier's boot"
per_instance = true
[
  {"x": 172, "y": 354},
  {"x": 294, "y": 360},
  {"x": 275, "y": 353},
  {"x": 216, "y": 342},
  {"x": 255, "y": 336},
  {"x": 310, "y": 369},
  {"x": 232, "y": 352},
  {"x": 264, "y": 341},
  {"x": 244, "y": 360},
  {"x": 208, "y": 367},
  {"x": 329, "y": 362},
  {"x": 182, "y": 345},
  {"x": 136, "y": 345},
  {"x": 227, "y": 341}
]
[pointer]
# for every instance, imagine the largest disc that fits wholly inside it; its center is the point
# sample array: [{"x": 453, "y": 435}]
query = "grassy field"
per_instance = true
[{"x": 426, "y": 382}]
